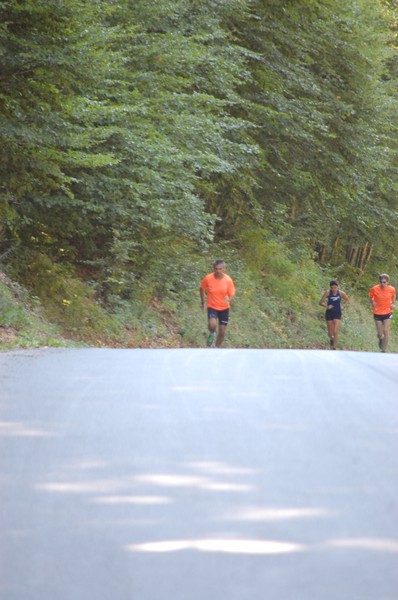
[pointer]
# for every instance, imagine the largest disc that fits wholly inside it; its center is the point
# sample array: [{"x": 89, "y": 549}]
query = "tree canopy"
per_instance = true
[{"x": 133, "y": 134}]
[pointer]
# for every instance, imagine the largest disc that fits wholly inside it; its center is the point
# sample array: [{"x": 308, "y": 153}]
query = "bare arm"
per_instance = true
[
  {"x": 231, "y": 292},
  {"x": 322, "y": 300},
  {"x": 346, "y": 298},
  {"x": 202, "y": 299}
]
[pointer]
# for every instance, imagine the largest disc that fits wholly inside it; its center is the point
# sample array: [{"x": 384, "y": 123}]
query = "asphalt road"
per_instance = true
[{"x": 198, "y": 475}]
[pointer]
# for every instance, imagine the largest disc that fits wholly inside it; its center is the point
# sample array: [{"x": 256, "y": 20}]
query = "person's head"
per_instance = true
[
  {"x": 219, "y": 267},
  {"x": 333, "y": 284},
  {"x": 384, "y": 279}
]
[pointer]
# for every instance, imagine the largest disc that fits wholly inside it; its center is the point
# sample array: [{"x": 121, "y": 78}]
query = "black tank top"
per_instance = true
[{"x": 335, "y": 300}]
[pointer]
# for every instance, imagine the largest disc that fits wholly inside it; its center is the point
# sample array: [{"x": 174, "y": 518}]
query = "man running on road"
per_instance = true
[
  {"x": 382, "y": 298},
  {"x": 219, "y": 289}
]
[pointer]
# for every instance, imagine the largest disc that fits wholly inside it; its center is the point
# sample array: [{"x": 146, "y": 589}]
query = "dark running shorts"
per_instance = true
[
  {"x": 331, "y": 315},
  {"x": 383, "y": 317},
  {"x": 221, "y": 315}
]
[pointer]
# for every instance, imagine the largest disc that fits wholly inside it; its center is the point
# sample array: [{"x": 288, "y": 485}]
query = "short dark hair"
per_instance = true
[
  {"x": 218, "y": 262},
  {"x": 333, "y": 282}
]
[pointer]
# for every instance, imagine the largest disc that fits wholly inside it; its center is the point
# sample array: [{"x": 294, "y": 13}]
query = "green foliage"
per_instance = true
[
  {"x": 324, "y": 117},
  {"x": 281, "y": 270},
  {"x": 12, "y": 313},
  {"x": 21, "y": 319},
  {"x": 67, "y": 300},
  {"x": 136, "y": 135},
  {"x": 260, "y": 318}
]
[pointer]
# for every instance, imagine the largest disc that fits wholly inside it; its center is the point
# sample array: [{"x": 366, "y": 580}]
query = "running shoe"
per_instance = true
[{"x": 211, "y": 339}]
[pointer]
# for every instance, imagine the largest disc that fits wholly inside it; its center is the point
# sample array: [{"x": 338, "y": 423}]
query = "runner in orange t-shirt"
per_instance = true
[
  {"x": 219, "y": 289},
  {"x": 382, "y": 298}
]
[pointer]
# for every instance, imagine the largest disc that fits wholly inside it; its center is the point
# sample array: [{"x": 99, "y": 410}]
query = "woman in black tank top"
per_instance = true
[{"x": 331, "y": 300}]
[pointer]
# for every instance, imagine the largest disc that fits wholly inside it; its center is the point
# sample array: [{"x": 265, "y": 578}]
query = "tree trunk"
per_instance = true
[
  {"x": 334, "y": 248},
  {"x": 352, "y": 253},
  {"x": 359, "y": 256},
  {"x": 365, "y": 256},
  {"x": 321, "y": 251}
]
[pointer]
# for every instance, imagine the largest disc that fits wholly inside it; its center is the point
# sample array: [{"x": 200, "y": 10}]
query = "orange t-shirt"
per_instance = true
[
  {"x": 217, "y": 289},
  {"x": 383, "y": 299}
]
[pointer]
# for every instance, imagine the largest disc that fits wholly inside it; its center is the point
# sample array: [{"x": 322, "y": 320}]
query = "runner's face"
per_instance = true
[
  {"x": 219, "y": 270},
  {"x": 334, "y": 288},
  {"x": 383, "y": 282}
]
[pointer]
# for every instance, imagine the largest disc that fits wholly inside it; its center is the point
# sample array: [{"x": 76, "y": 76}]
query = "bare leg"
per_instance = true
[
  {"x": 220, "y": 336},
  {"x": 336, "y": 327},
  {"x": 380, "y": 333},
  {"x": 386, "y": 332},
  {"x": 330, "y": 331},
  {"x": 212, "y": 325}
]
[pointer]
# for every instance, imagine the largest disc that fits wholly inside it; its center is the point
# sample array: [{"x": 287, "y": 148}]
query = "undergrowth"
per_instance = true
[{"x": 269, "y": 311}]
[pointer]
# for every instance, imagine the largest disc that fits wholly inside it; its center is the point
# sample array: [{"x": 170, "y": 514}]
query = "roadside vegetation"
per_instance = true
[
  {"x": 141, "y": 140},
  {"x": 276, "y": 311}
]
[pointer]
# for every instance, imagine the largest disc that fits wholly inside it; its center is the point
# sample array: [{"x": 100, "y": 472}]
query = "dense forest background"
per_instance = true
[{"x": 140, "y": 140}]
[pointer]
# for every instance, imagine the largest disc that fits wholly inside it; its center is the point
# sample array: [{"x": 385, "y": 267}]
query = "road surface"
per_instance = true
[{"x": 198, "y": 475}]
